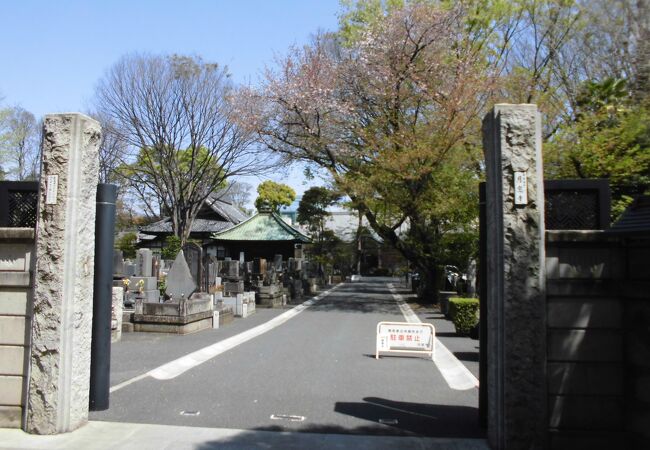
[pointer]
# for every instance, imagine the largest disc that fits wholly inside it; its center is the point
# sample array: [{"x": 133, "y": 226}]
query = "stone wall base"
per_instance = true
[
  {"x": 269, "y": 301},
  {"x": 187, "y": 328},
  {"x": 10, "y": 416},
  {"x": 225, "y": 317}
]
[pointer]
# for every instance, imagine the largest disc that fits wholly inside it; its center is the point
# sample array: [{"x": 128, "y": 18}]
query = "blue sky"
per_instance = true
[{"x": 53, "y": 52}]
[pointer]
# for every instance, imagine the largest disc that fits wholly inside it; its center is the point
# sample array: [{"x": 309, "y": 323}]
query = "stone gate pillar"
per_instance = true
[
  {"x": 516, "y": 278},
  {"x": 63, "y": 280}
]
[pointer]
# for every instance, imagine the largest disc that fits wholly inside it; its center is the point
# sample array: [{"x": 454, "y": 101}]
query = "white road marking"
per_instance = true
[
  {"x": 181, "y": 365},
  {"x": 457, "y": 376},
  {"x": 388, "y": 421},
  {"x": 117, "y": 387},
  {"x": 289, "y": 417}
]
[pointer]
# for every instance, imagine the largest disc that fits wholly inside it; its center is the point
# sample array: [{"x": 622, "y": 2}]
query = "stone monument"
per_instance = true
[
  {"x": 59, "y": 378},
  {"x": 516, "y": 304},
  {"x": 185, "y": 312}
]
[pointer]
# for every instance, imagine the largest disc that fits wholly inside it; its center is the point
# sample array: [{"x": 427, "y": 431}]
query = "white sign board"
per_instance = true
[
  {"x": 52, "y": 187},
  {"x": 521, "y": 188},
  {"x": 404, "y": 337}
]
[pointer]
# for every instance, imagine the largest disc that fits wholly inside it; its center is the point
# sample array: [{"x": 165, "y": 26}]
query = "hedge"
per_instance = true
[{"x": 464, "y": 313}]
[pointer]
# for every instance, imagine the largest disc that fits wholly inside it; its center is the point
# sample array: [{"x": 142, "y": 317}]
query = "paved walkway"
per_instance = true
[
  {"x": 127, "y": 436},
  {"x": 134, "y": 368}
]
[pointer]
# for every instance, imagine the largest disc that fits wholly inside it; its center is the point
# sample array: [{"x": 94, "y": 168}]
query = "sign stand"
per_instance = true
[{"x": 404, "y": 337}]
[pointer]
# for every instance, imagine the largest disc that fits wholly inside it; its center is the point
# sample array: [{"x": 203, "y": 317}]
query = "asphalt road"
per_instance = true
[{"x": 314, "y": 373}]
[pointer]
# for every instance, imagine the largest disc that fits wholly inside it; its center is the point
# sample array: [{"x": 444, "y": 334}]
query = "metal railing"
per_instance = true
[{"x": 18, "y": 204}]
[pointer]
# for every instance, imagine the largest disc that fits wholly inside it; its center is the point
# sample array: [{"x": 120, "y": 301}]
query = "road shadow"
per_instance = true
[
  {"x": 357, "y": 306},
  {"x": 385, "y": 418},
  {"x": 369, "y": 289},
  {"x": 355, "y": 302},
  {"x": 420, "y": 419},
  {"x": 369, "y": 296},
  {"x": 446, "y": 334},
  {"x": 467, "y": 356}
]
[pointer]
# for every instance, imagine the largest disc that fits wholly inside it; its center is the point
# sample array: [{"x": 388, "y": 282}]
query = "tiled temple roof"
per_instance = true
[{"x": 262, "y": 227}]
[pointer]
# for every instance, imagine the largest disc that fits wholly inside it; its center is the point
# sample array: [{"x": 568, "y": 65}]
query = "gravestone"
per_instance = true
[
  {"x": 145, "y": 288},
  {"x": 193, "y": 256},
  {"x": 259, "y": 266},
  {"x": 155, "y": 267},
  {"x": 212, "y": 270},
  {"x": 277, "y": 263},
  {"x": 118, "y": 264},
  {"x": 143, "y": 262},
  {"x": 129, "y": 270},
  {"x": 230, "y": 270},
  {"x": 233, "y": 287},
  {"x": 179, "y": 279},
  {"x": 117, "y": 301}
]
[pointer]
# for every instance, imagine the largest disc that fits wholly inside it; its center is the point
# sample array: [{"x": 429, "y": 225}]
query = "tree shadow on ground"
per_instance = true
[
  {"x": 378, "y": 290},
  {"x": 359, "y": 305},
  {"x": 467, "y": 356},
  {"x": 385, "y": 418},
  {"x": 446, "y": 334}
]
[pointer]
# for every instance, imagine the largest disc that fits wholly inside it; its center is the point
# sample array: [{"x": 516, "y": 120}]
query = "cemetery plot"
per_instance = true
[{"x": 405, "y": 337}]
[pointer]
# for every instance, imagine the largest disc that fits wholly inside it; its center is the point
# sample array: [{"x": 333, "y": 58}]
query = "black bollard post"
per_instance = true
[{"x": 100, "y": 357}]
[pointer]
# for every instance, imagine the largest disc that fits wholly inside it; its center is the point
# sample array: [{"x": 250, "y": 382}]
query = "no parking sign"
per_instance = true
[{"x": 404, "y": 337}]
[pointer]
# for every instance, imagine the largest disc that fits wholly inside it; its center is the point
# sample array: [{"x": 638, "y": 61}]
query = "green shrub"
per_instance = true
[
  {"x": 126, "y": 242},
  {"x": 171, "y": 248},
  {"x": 464, "y": 314}
]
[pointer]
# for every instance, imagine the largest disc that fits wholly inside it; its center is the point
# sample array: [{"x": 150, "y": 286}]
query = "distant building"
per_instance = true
[
  {"x": 263, "y": 235},
  {"x": 218, "y": 213},
  {"x": 342, "y": 221},
  {"x": 376, "y": 255}
]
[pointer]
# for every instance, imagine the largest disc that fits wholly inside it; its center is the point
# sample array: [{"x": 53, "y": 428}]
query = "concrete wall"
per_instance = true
[
  {"x": 598, "y": 339},
  {"x": 16, "y": 249}
]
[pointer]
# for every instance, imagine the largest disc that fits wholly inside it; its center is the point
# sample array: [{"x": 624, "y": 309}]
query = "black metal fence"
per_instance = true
[
  {"x": 577, "y": 204},
  {"x": 18, "y": 203}
]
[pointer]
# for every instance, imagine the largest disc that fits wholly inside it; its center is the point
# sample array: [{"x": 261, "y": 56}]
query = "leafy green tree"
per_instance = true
[
  {"x": 312, "y": 209},
  {"x": 274, "y": 195},
  {"x": 610, "y": 138},
  {"x": 172, "y": 247},
  {"x": 390, "y": 105},
  {"x": 142, "y": 178},
  {"x": 127, "y": 243},
  {"x": 394, "y": 125},
  {"x": 176, "y": 116},
  {"x": 327, "y": 250}
]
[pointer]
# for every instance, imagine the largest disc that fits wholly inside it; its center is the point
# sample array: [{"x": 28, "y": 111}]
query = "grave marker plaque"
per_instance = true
[
  {"x": 143, "y": 262},
  {"x": 193, "y": 256},
  {"x": 180, "y": 282}
]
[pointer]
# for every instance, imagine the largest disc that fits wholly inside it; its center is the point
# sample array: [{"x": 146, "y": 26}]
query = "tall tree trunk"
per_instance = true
[
  {"x": 642, "y": 59},
  {"x": 357, "y": 254},
  {"x": 430, "y": 278}
]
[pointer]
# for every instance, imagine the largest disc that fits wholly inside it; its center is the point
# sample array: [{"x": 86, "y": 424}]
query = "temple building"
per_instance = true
[
  {"x": 263, "y": 235},
  {"x": 218, "y": 213}
]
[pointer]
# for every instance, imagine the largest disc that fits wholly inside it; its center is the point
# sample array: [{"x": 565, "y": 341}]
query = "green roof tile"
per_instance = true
[{"x": 261, "y": 227}]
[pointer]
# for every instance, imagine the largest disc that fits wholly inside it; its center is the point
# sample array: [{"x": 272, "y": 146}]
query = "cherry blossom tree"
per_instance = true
[{"x": 391, "y": 117}]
